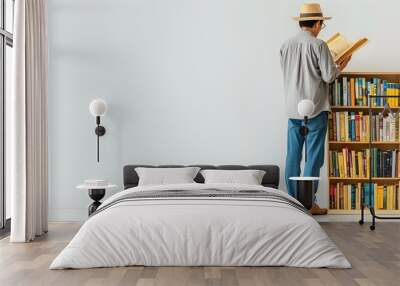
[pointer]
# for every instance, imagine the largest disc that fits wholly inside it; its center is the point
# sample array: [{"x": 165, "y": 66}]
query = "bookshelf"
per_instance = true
[{"x": 354, "y": 146}]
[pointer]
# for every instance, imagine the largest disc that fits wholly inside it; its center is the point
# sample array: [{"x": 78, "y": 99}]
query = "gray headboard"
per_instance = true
[{"x": 271, "y": 177}]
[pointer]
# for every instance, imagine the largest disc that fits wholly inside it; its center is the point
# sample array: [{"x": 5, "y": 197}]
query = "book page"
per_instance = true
[{"x": 338, "y": 46}]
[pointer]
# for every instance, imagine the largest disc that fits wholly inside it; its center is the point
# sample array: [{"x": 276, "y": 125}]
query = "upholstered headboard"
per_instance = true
[{"x": 271, "y": 177}]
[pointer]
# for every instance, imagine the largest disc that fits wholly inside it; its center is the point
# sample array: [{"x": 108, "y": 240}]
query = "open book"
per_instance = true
[{"x": 340, "y": 47}]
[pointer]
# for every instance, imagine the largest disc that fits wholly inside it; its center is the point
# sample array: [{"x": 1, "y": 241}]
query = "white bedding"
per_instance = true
[{"x": 199, "y": 231}]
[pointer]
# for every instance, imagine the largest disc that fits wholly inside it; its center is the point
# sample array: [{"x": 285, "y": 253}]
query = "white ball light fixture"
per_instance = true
[
  {"x": 98, "y": 107},
  {"x": 305, "y": 108}
]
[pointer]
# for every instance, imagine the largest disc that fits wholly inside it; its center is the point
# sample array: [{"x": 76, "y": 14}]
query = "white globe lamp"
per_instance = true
[
  {"x": 98, "y": 107},
  {"x": 305, "y": 108}
]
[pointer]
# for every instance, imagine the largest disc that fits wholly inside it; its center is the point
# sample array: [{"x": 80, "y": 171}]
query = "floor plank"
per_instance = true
[{"x": 375, "y": 257}]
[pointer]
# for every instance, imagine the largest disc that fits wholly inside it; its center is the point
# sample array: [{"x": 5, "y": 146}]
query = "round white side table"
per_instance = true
[{"x": 96, "y": 193}]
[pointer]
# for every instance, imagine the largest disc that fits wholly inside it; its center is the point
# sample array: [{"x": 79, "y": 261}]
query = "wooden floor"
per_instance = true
[{"x": 375, "y": 257}]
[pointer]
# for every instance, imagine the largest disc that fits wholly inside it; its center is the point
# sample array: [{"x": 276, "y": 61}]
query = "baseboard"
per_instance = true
[
  {"x": 5, "y": 231},
  {"x": 68, "y": 215},
  {"x": 346, "y": 218}
]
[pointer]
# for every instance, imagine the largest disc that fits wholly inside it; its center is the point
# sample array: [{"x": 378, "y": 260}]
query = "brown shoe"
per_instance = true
[{"x": 316, "y": 210}]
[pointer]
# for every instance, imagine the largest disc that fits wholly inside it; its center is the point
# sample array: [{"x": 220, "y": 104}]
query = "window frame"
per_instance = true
[{"x": 6, "y": 39}]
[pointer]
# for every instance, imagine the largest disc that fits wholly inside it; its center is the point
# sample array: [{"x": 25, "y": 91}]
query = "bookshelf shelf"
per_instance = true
[
  {"x": 359, "y": 146},
  {"x": 354, "y": 116},
  {"x": 360, "y": 108},
  {"x": 392, "y": 143},
  {"x": 374, "y": 179}
]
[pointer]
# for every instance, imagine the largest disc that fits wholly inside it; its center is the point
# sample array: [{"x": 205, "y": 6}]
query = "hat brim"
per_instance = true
[{"x": 310, "y": 18}]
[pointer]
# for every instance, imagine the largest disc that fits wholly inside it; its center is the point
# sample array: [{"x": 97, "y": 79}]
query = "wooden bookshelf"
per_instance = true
[{"x": 332, "y": 145}]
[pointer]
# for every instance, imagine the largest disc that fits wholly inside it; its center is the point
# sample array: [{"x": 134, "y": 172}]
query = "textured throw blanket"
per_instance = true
[{"x": 207, "y": 193}]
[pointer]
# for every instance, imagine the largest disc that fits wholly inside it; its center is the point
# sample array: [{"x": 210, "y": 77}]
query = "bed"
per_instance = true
[{"x": 198, "y": 224}]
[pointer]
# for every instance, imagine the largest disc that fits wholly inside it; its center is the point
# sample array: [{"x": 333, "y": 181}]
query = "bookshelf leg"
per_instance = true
[
  {"x": 375, "y": 217},
  {"x": 372, "y": 227},
  {"x": 361, "y": 221}
]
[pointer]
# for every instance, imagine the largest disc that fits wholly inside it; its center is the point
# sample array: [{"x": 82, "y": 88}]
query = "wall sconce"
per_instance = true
[{"x": 98, "y": 107}]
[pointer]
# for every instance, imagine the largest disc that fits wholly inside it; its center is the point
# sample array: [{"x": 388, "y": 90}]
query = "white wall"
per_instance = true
[{"x": 187, "y": 81}]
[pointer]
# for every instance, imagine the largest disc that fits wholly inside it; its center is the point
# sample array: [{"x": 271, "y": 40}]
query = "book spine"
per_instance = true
[
  {"x": 330, "y": 126},
  {"x": 356, "y": 90},
  {"x": 352, "y": 92},
  {"x": 369, "y": 89},
  {"x": 346, "y": 126},
  {"x": 338, "y": 126},
  {"x": 353, "y": 126},
  {"x": 364, "y": 86},
  {"x": 344, "y": 81}
]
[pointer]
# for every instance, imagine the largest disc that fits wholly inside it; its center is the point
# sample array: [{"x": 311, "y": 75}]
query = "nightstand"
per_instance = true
[
  {"x": 96, "y": 193},
  {"x": 305, "y": 190}
]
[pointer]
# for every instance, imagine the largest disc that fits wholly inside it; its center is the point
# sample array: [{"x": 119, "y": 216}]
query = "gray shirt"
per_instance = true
[{"x": 308, "y": 68}]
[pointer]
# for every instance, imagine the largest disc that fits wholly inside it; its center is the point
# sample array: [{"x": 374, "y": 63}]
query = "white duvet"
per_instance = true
[{"x": 193, "y": 231}]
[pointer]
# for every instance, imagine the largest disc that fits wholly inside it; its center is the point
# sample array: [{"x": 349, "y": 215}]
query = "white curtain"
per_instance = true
[{"x": 28, "y": 122}]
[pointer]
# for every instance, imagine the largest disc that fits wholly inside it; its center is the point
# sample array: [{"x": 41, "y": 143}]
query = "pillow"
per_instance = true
[
  {"x": 248, "y": 177},
  {"x": 165, "y": 176}
]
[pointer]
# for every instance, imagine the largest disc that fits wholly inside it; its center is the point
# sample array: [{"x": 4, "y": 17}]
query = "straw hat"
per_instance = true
[{"x": 311, "y": 12}]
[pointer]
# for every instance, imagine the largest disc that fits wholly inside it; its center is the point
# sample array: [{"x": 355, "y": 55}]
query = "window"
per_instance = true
[{"x": 6, "y": 62}]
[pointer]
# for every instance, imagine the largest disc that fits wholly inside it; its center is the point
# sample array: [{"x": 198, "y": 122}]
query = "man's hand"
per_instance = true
[{"x": 342, "y": 63}]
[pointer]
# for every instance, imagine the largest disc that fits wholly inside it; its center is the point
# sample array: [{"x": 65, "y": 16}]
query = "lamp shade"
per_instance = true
[
  {"x": 305, "y": 108},
  {"x": 98, "y": 107}
]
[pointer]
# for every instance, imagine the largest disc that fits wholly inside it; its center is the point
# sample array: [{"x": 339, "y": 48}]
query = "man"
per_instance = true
[{"x": 308, "y": 68}]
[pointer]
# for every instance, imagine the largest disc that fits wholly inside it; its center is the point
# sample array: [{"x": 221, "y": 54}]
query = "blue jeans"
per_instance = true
[{"x": 315, "y": 149}]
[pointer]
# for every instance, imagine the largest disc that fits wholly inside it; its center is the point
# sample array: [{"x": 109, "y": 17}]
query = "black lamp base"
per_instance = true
[{"x": 96, "y": 195}]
